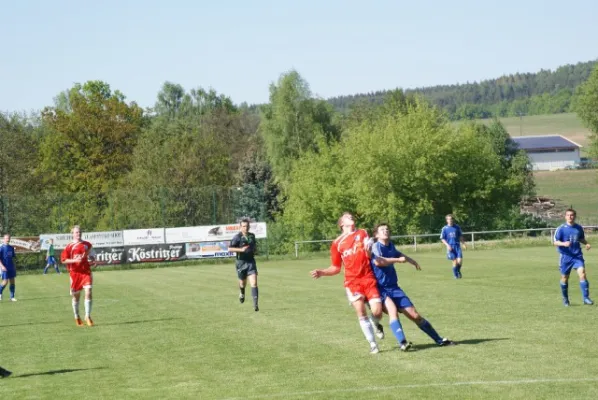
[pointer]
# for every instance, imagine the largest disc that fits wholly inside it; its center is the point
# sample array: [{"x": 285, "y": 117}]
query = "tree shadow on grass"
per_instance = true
[
  {"x": 57, "y": 372},
  {"x": 458, "y": 342},
  {"x": 143, "y": 321}
]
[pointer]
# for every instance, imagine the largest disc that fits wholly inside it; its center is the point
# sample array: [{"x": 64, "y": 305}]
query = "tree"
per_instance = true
[
  {"x": 293, "y": 123},
  {"x": 586, "y": 106},
  {"x": 88, "y": 149}
]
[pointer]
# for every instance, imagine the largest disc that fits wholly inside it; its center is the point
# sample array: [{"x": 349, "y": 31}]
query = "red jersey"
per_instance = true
[
  {"x": 77, "y": 251},
  {"x": 349, "y": 249}
]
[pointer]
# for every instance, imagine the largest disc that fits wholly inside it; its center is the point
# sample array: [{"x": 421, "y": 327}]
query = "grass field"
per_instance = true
[
  {"x": 578, "y": 188},
  {"x": 180, "y": 333}
]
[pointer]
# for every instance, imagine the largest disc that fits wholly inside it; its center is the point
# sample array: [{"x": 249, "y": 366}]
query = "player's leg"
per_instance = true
[
  {"x": 395, "y": 323},
  {"x": 4, "y": 283},
  {"x": 358, "y": 303},
  {"x": 88, "y": 303},
  {"x": 423, "y": 324},
  {"x": 12, "y": 287},
  {"x": 375, "y": 321},
  {"x": 55, "y": 264},
  {"x": 565, "y": 269},
  {"x": 242, "y": 275},
  {"x": 75, "y": 302},
  {"x": 252, "y": 276},
  {"x": 584, "y": 285},
  {"x": 47, "y": 266},
  {"x": 459, "y": 261},
  {"x": 451, "y": 255}
]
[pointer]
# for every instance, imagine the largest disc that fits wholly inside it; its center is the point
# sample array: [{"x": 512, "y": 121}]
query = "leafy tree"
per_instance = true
[
  {"x": 88, "y": 149},
  {"x": 586, "y": 106}
]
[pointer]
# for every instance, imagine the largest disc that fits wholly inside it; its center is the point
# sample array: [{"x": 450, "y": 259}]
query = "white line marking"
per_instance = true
[{"x": 413, "y": 386}]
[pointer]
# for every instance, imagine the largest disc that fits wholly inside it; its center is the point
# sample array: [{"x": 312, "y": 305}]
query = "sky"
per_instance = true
[{"x": 239, "y": 48}]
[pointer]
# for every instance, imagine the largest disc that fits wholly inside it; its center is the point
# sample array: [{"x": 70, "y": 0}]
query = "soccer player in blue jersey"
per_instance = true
[
  {"x": 384, "y": 255},
  {"x": 7, "y": 266},
  {"x": 452, "y": 238},
  {"x": 567, "y": 238}
]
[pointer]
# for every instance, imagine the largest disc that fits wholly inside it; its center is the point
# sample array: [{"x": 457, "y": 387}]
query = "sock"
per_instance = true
[
  {"x": 430, "y": 331},
  {"x": 459, "y": 269},
  {"x": 2, "y": 289},
  {"x": 242, "y": 290},
  {"x": 565, "y": 290},
  {"x": 397, "y": 330},
  {"x": 76, "y": 308},
  {"x": 46, "y": 269},
  {"x": 254, "y": 294},
  {"x": 87, "y": 308},
  {"x": 12, "y": 290},
  {"x": 585, "y": 288},
  {"x": 367, "y": 329},
  {"x": 455, "y": 272}
]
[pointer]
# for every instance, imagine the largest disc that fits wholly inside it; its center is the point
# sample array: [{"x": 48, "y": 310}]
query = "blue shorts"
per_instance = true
[
  {"x": 454, "y": 253},
  {"x": 9, "y": 274},
  {"x": 396, "y": 295},
  {"x": 568, "y": 263},
  {"x": 51, "y": 260}
]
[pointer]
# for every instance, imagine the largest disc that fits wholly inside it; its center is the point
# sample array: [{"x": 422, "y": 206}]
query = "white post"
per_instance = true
[
  {"x": 472, "y": 240},
  {"x": 414, "y": 243},
  {"x": 296, "y": 250},
  {"x": 551, "y": 235}
]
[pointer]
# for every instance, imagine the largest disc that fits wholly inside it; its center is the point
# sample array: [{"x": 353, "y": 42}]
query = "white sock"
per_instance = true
[
  {"x": 367, "y": 329},
  {"x": 76, "y": 308},
  {"x": 87, "y": 308}
]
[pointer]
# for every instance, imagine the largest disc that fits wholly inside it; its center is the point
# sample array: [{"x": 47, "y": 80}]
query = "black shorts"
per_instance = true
[{"x": 245, "y": 268}]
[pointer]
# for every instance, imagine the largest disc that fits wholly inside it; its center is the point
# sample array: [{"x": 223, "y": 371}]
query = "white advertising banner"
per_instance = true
[
  {"x": 226, "y": 232},
  {"x": 143, "y": 236},
  {"x": 208, "y": 250},
  {"x": 97, "y": 239},
  {"x": 185, "y": 235}
]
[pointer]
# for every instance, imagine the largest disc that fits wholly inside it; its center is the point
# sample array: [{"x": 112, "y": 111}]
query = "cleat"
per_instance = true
[
  {"x": 406, "y": 346},
  {"x": 256, "y": 308},
  {"x": 88, "y": 321},
  {"x": 78, "y": 321},
  {"x": 0, "y": 297},
  {"x": 13, "y": 299},
  {"x": 241, "y": 298},
  {"x": 379, "y": 331},
  {"x": 4, "y": 373},
  {"x": 566, "y": 302},
  {"x": 374, "y": 348},
  {"x": 588, "y": 301},
  {"x": 446, "y": 342}
]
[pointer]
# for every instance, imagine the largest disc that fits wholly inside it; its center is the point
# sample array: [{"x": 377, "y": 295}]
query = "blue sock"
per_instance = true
[
  {"x": 12, "y": 290},
  {"x": 455, "y": 272},
  {"x": 585, "y": 288},
  {"x": 2, "y": 288},
  {"x": 397, "y": 330},
  {"x": 565, "y": 290},
  {"x": 430, "y": 331}
]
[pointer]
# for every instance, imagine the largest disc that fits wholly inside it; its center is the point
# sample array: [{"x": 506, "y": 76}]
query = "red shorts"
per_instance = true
[
  {"x": 80, "y": 281},
  {"x": 363, "y": 288}
]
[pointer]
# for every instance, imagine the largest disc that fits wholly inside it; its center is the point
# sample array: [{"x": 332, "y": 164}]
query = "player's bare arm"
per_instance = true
[
  {"x": 463, "y": 243},
  {"x": 588, "y": 246},
  {"x": 448, "y": 246},
  {"x": 238, "y": 249},
  {"x": 558, "y": 243},
  {"x": 330, "y": 271}
]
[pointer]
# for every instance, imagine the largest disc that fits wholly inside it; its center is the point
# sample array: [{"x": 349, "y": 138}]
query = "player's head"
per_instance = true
[
  {"x": 6, "y": 238},
  {"x": 449, "y": 219},
  {"x": 76, "y": 231},
  {"x": 570, "y": 215},
  {"x": 346, "y": 222},
  {"x": 382, "y": 231},
  {"x": 51, "y": 241},
  {"x": 244, "y": 224}
]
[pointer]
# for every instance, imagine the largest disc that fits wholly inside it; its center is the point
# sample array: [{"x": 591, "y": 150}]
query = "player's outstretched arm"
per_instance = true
[
  {"x": 330, "y": 271},
  {"x": 412, "y": 262},
  {"x": 558, "y": 243},
  {"x": 237, "y": 249}
]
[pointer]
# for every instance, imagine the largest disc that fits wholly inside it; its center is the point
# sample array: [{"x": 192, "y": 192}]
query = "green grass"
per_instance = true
[
  {"x": 179, "y": 333},
  {"x": 578, "y": 188}
]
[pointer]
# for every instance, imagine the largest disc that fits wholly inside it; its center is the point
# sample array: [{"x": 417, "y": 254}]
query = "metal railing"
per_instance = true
[{"x": 471, "y": 235}]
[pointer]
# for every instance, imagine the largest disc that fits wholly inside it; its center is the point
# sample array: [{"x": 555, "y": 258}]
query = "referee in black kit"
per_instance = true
[{"x": 243, "y": 243}]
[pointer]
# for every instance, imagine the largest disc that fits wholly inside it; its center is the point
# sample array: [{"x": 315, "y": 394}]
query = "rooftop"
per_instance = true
[{"x": 545, "y": 142}]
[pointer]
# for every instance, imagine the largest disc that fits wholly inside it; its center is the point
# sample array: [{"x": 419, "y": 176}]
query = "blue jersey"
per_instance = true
[
  {"x": 570, "y": 233},
  {"x": 452, "y": 235},
  {"x": 386, "y": 276},
  {"x": 7, "y": 253}
]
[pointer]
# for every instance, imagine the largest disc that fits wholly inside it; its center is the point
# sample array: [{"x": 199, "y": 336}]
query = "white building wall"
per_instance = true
[{"x": 554, "y": 160}]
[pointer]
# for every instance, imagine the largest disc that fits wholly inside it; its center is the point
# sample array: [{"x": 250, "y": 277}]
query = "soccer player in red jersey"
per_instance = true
[
  {"x": 75, "y": 257},
  {"x": 352, "y": 249}
]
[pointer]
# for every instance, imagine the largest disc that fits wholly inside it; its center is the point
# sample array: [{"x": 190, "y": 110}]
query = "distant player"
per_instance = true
[
  {"x": 384, "y": 255},
  {"x": 50, "y": 258},
  {"x": 567, "y": 238},
  {"x": 244, "y": 244},
  {"x": 7, "y": 265},
  {"x": 351, "y": 250},
  {"x": 76, "y": 258},
  {"x": 452, "y": 237}
]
